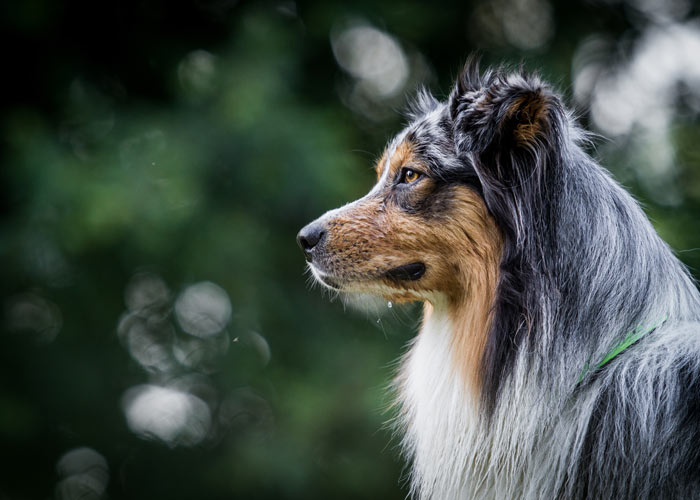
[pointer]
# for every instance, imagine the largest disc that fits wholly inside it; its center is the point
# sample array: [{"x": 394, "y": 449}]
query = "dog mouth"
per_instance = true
[{"x": 407, "y": 272}]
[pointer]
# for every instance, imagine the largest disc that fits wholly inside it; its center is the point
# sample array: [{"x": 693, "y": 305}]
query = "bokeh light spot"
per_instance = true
[
  {"x": 373, "y": 57},
  {"x": 197, "y": 72},
  {"x": 203, "y": 309},
  {"x": 146, "y": 290},
  {"x": 202, "y": 354},
  {"x": 84, "y": 475},
  {"x": 33, "y": 315},
  {"x": 166, "y": 414}
]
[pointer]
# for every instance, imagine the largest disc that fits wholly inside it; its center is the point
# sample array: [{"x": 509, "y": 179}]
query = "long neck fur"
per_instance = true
[{"x": 439, "y": 387}]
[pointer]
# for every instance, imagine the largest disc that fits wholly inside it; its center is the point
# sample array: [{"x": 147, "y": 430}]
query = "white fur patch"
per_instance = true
[{"x": 438, "y": 416}]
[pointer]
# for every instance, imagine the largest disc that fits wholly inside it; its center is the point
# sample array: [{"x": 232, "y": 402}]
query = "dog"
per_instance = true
[{"x": 559, "y": 351}]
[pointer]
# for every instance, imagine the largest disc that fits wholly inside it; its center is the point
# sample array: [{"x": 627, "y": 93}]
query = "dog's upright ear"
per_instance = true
[
  {"x": 512, "y": 128},
  {"x": 508, "y": 122}
]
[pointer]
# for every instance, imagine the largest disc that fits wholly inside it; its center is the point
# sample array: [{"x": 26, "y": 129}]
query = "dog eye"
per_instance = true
[{"x": 408, "y": 176}]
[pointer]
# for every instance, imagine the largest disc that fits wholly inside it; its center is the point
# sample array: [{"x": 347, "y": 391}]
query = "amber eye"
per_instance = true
[{"x": 408, "y": 176}]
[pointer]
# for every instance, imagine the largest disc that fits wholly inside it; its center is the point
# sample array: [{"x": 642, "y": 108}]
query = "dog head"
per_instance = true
[{"x": 433, "y": 225}]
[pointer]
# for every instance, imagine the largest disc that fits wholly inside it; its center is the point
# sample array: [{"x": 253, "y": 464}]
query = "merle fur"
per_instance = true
[{"x": 581, "y": 266}]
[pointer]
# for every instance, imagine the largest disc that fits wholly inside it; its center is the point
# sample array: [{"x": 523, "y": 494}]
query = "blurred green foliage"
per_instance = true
[{"x": 187, "y": 143}]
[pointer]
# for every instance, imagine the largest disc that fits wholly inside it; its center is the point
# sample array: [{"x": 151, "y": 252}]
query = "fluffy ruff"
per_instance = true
[{"x": 493, "y": 399}]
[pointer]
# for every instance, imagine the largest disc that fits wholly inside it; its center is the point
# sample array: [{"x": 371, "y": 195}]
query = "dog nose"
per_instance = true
[{"x": 309, "y": 236}]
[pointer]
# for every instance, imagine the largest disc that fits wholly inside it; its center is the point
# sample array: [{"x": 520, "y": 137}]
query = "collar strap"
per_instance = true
[{"x": 630, "y": 339}]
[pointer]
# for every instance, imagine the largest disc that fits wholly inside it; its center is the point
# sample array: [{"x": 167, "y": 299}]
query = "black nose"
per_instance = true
[{"x": 309, "y": 237}]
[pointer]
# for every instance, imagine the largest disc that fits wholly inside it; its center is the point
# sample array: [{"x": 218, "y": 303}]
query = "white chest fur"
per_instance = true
[
  {"x": 455, "y": 452},
  {"x": 438, "y": 414}
]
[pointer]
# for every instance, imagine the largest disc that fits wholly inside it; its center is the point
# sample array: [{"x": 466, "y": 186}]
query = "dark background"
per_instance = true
[{"x": 159, "y": 336}]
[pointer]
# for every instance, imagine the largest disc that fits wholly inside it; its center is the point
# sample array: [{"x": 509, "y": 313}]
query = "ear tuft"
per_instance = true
[
  {"x": 422, "y": 104},
  {"x": 470, "y": 78}
]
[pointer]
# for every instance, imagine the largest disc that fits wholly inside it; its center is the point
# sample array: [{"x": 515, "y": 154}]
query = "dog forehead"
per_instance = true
[{"x": 427, "y": 135}]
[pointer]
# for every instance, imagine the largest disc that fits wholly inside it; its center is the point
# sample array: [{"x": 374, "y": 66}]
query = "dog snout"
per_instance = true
[{"x": 310, "y": 236}]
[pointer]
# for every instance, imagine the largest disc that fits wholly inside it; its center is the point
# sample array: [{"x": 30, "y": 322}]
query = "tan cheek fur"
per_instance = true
[
  {"x": 461, "y": 251},
  {"x": 471, "y": 304},
  {"x": 462, "y": 255},
  {"x": 364, "y": 241}
]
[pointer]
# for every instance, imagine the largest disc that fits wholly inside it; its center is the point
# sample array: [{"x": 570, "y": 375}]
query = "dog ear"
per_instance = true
[
  {"x": 505, "y": 121},
  {"x": 514, "y": 131}
]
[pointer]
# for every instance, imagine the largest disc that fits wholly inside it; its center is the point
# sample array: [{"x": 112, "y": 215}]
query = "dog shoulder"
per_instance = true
[{"x": 645, "y": 424}]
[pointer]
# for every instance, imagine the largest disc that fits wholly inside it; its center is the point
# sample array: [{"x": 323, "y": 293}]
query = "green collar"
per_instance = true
[{"x": 630, "y": 339}]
